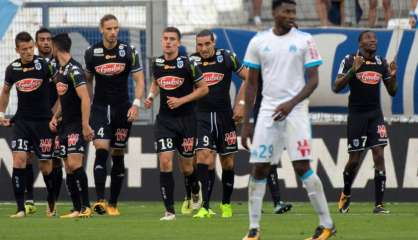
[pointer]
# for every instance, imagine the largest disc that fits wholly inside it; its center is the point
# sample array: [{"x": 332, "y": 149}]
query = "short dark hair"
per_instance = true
[
  {"x": 23, "y": 37},
  {"x": 62, "y": 42},
  {"x": 42, "y": 30},
  {"x": 174, "y": 30},
  {"x": 277, "y": 3},
  {"x": 106, "y": 18},
  {"x": 360, "y": 36},
  {"x": 205, "y": 33}
]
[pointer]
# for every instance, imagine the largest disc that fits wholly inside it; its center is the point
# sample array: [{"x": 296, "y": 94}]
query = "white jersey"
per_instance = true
[{"x": 282, "y": 60}]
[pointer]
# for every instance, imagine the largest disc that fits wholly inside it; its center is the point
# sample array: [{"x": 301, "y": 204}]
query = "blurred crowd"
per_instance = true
[{"x": 346, "y": 12}]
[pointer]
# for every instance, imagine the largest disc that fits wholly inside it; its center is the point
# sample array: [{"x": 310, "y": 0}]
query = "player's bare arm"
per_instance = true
[
  {"x": 89, "y": 79},
  {"x": 83, "y": 94},
  {"x": 312, "y": 82},
  {"x": 250, "y": 91},
  {"x": 4, "y": 101},
  {"x": 343, "y": 79},
  {"x": 153, "y": 92},
  {"x": 391, "y": 84},
  {"x": 139, "y": 91},
  {"x": 201, "y": 89},
  {"x": 56, "y": 116},
  {"x": 240, "y": 100}
]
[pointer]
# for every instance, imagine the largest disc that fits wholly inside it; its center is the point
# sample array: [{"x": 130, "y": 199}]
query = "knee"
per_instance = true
[
  {"x": 187, "y": 166},
  {"x": 204, "y": 156},
  {"x": 166, "y": 164},
  {"x": 19, "y": 162},
  {"x": 228, "y": 163},
  {"x": 260, "y": 170},
  {"x": 45, "y": 167}
]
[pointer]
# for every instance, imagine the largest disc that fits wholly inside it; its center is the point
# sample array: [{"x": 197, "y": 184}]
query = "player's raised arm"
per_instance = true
[
  {"x": 348, "y": 68},
  {"x": 389, "y": 78}
]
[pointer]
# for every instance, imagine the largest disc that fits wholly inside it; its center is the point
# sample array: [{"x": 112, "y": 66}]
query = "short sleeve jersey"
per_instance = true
[
  {"x": 365, "y": 86},
  {"x": 111, "y": 69},
  {"x": 282, "y": 60},
  {"x": 176, "y": 78},
  {"x": 32, "y": 86},
  {"x": 70, "y": 77},
  {"x": 217, "y": 72}
]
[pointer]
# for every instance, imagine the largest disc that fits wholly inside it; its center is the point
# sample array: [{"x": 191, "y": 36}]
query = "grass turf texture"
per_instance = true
[{"x": 140, "y": 220}]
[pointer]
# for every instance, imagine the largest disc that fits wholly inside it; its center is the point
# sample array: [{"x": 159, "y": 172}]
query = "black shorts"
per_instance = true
[
  {"x": 111, "y": 123},
  {"x": 175, "y": 133},
  {"x": 216, "y": 131},
  {"x": 366, "y": 130},
  {"x": 71, "y": 140},
  {"x": 33, "y": 136}
]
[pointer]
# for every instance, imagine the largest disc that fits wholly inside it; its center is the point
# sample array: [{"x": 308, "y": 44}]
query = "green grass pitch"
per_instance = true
[{"x": 140, "y": 221}]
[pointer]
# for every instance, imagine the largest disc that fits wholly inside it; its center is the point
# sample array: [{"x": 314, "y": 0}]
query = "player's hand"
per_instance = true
[
  {"x": 133, "y": 113},
  {"x": 247, "y": 135},
  {"x": 393, "y": 68},
  {"x": 88, "y": 133},
  {"x": 5, "y": 122},
  {"x": 174, "y": 102},
  {"x": 281, "y": 111},
  {"x": 53, "y": 124},
  {"x": 358, "y": 61},
  {"x": 148, "y": 102},
  {"x": 238, "y": 113}
]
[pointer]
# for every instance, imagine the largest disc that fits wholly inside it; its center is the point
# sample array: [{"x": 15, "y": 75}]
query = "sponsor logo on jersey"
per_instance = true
[
  {"x": 45, "y": 145},
  {"x": 28, "y": 84},
  {"x": 107, "y": 57},
  {"x": 187, "y": 144},
  {"x": 121, "y": 134},
  {"x": 61, "y": 88},
  {"x": 304, "y": 148},
  {"x": 72, "y": 139},
  {"x": 16, "y": 64},
  {"x": 369, "y": 77},
  {"x": 170, "y": 82},
  {"x": 312, "y": 50},
  {"x": 159, "y": 60},
  {"x": 28, "y": 69},
  {"x": 231, "y": 138},
  {"x": 110, "y": 69},
  {"x": 381, "y": 130},
  {"x": 196, "y": 58},
  {"x": 208, "y": 63},
  {"x": 212, "y": 78},
  {"x": 169, "y": 67},
  {"x": 98, "y": 50}
]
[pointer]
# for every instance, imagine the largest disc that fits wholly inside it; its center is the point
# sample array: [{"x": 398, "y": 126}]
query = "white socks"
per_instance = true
[
  {"x": 256, "y": 191},
  {"x": 317, "y": 197}
]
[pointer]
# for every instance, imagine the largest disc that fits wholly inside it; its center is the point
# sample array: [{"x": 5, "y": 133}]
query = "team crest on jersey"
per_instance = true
[
  {"x": 170, "y": 82},
  {"x": 110, "y": 69},
  {"x": 220, "y": 58},
  {"x": 180, "y": 64},
  {"x": 293, "y": 48},
  {"x": 369, "y": 77},
  {"x": 212, "y": 78},
  {"x": 28, "y": 84},
  {"x": 122, "y": 53},
  {"x": 356, "y": 143},
  {"x": 378, "y": 60},
  {"x": 61, "y": 88},
  {"x": 38, "y": 66}
]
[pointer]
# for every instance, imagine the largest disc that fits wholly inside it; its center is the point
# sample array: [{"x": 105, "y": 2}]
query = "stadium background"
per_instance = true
[{"x": 142, "y": 22}]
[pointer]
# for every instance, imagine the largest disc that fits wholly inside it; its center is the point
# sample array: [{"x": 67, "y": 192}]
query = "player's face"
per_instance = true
[
  {"x": 26, "y": 51},
  {"x": 368, "y": 42},
  {"x": 170, "y": 42},
  {"x": 285, "y": 15},
  {"x": 44, "y": 43},
  {"x": 110, "y": 31},
  {"x": 205, "y": 46}
]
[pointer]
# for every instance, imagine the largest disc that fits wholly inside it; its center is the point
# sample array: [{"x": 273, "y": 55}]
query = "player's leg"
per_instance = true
[
  {"x": 57, "y": 169},
  {"x": 273, "y": 184},
  {"x": 349, "y": 175},
  {"x": 167, "y": 183},
  {"x": 228, "y": 175},
  {"x": 193, "y": 197},
  {"x": 29, "y": 203},
  {"x": 18, "y": 181},
  {"x": 75, "y": 164},
  {"x": 212, "y": 176},
  {"x": 45, "y": 166}
]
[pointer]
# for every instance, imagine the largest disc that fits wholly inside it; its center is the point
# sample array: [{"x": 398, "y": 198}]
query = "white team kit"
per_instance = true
[{"x": 294, "y": 52}]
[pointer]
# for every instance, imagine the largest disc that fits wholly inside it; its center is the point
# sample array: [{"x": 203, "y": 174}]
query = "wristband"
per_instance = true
[
  {"x": 137, "y": 102},
  {"x": 241, "y": 102},
  {"x": 2, "y": 115},
  {"x": 151, "y": 95}
]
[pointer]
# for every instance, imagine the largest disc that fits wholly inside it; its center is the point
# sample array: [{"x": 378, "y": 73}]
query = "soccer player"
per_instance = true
[
  {"x": 110, "y": 62},
  {"x": 215, "y": 126},
  {"x": 75, "y": 129},
  {"x": 363, "y": 72},
  {"x": 179, "y": 81},
  {"x": 31, "y": 75},
  {"x": 43, "y": 41},
  {"x": 285, "y": 55}
]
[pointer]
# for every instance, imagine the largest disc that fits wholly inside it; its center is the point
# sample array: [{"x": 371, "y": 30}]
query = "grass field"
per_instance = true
[{"x": 140, "y": 220}]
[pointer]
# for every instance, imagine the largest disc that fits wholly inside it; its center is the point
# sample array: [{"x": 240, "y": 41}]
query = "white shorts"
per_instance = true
[{"x": 272, "y": 137}]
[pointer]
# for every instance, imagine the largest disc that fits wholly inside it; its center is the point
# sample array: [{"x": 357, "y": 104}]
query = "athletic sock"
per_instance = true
[
  {"x": 73, "y": 191},
  {"x": 167, "y": 190},
  {"x": 18, "y": 182},
  {"x": 57, "y": 175},
  {"x": 273, "y": 183},
  {"x": 49, "y": 183},
  {"x": 203, "y": 175},
  {"x": 29, "y": 182},
  {"x": 348, "y": 181},
  {"x": 100, "y": 172},
  {"x": 227, "y": 185},
  {"x": 117, "y": 176},
  {"x": 82, "y": 186},
  {"x": 380, "y": 185},
  {"x": 211, "y": 174},
  {"x": 256, "y": 191},
  {"x": 315, "y": 190}
]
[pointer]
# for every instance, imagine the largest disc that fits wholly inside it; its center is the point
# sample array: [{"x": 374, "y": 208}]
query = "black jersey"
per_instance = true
[
  {"x": 111, "y": 68},
  {"x": 365, "y": 86},
  {"x": 68, "y": 78},
  {"x": 32, "y": 86},
  {"x": 217, "y": 71},
  {"x": 175, "y": 78},
  {"x": 53, "y": 96}
]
